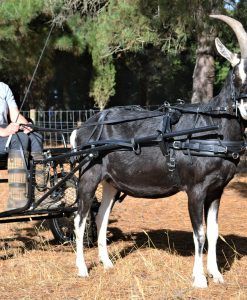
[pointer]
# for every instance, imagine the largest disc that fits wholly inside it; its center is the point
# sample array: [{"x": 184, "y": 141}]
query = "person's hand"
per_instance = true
[
  {"x": 26, "y": 129},
  {"x": 12, "y": 128}
]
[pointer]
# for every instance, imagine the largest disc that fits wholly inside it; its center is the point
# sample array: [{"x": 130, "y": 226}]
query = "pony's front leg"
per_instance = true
[
  {"x": 211, "y": 216},
  {"x": 102, "y": 217},
  {"x": 196, "y": 216},
  {"x": 86, "y": 191}
]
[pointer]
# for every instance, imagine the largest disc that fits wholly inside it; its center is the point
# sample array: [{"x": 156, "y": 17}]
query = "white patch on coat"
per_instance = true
[
  {"x": 102, "y": 217},
  {"x": 212, "y": 236},
  {"x": 73, "y": 139},
  {"x": 199, "y": 279},
  {"x": 79, "y": 233}
]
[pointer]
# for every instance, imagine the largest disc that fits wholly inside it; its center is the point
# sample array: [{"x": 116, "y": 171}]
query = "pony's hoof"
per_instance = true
[
  {"x": 107, "y": 264},
  {"x": 83, "y": 272},
  {"x": 218, "y": 278},
  {"x": 200, "y": 282}
]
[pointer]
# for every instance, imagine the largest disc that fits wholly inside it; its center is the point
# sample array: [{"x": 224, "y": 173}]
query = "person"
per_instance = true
[{"x": 19, "y": 141}]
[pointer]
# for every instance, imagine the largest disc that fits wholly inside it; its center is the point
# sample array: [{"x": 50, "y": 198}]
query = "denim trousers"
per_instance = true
[{"x": 31, "y": 142}]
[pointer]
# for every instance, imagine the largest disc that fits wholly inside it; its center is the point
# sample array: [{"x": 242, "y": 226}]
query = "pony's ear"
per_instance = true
[{"x": 226, "y": 53}]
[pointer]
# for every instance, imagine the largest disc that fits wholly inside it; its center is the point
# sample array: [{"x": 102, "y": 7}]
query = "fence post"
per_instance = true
[{"x": 33, "y": 115}]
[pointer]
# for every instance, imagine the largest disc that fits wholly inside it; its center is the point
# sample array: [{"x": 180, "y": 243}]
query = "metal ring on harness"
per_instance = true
[
  {"x": 235, "y": 155},
  {"x": 135, "y": 147}
]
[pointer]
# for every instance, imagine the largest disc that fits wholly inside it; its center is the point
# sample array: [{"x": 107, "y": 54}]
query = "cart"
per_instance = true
[{"x": 57, "y": 201}]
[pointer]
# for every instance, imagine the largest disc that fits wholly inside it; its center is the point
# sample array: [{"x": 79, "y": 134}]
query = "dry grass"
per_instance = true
[{"x": 151, "y": 245}]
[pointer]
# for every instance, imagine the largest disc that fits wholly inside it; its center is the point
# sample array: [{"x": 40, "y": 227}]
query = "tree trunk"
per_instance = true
[
  {"x": 203, "y": 76},
  {"x": 204, "y": 72}
]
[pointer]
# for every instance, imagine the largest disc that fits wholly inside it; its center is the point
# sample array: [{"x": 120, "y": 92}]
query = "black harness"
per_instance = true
[
  {"x": 167, "y": 139},
  {"x": 213, "y": 147}
]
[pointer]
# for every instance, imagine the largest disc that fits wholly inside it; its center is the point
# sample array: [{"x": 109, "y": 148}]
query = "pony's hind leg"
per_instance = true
[
  {"x": 211, "y": 216},
  {"x": 87, "y": 187},
  {"x": 102, "y": 217},
  {"x": 196, "y": 216}
]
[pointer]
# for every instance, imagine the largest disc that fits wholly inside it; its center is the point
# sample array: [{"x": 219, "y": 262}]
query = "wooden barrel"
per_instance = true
[{"x": 17, "y": 177}]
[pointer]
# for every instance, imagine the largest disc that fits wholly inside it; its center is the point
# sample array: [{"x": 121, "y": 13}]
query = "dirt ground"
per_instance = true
[{"x": 151, "y": 246}]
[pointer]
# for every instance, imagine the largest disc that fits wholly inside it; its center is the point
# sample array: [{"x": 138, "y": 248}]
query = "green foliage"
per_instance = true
[
  {"x": 103, "y": 84},
  {"x": 64, "y": 43},
  {"x": 118, "y": 28},
  {"x": 22, "y": 33},
  {"x": 7, "y": 32},
  {"x": 222, "y": 70},
  {"x": 20, "y": 12},
  {"x": 113, "y": 32}
]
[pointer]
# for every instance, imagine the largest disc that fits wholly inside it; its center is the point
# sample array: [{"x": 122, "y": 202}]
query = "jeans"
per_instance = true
[{"x": 32, "y": 142}]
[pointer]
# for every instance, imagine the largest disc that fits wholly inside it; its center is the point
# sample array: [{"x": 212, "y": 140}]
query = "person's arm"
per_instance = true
[
  {"x": 12, "y": 128},
  {"x": 16, "y": 117}
]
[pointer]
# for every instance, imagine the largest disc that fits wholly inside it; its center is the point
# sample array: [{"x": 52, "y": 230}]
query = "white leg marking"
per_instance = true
[
  {"x": 242, "y": 71},
  {"x": 102, "y": 221},
  {"x": 212, "y": 235},
  {"x": 79, "y": 233},
  {"x": 200, "y": 280},
  {"x": 73, "y": 139}
]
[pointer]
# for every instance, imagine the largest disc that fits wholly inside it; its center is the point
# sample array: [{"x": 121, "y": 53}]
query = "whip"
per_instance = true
[{"x": 31, "y": 81}]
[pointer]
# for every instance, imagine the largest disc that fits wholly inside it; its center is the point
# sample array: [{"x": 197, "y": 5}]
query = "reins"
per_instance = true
[{"x": 45, "y": 129}]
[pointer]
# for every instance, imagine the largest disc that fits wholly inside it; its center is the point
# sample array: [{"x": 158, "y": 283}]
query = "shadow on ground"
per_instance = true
[
  {"x": 229, "y": 248},
  {"x": 240, "y": 187},
  {"x": 29, "y": 238}
]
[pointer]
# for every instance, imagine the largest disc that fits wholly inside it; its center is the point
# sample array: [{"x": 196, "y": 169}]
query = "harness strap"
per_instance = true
[
  {"x": 99, "y": 125},
  {"x": 218, "y": 148},
  {"x": 206, "y": 110},
  {"x": 118, "y": 121},
  {"x": 166, "y": 127}
]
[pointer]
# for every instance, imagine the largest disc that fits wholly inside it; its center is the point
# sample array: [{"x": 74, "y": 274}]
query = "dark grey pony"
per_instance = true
[{"x": 148, "y": 175}]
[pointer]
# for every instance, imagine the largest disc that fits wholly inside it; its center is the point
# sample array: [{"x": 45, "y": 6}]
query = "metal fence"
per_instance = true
[{"x": 62, "y": 120}]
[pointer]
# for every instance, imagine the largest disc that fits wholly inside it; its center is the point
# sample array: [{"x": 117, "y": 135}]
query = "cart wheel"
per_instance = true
[{"x": 63, "y": 228}]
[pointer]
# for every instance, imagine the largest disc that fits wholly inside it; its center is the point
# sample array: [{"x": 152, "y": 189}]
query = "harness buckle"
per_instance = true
[
  {"x": 180, "y": 101},
  {"x": 176, "y": 145},
  {"x": 171, "y": 164},
  {"x": 171, "y": 161},
  {"x": 222, "y": 149}
]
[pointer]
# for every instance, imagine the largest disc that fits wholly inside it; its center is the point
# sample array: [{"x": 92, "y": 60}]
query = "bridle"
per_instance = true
[{"x": 239, "y": 100}]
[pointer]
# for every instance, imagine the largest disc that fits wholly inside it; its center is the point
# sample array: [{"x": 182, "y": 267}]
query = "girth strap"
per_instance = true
[{"x": 211, "y": 147}]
